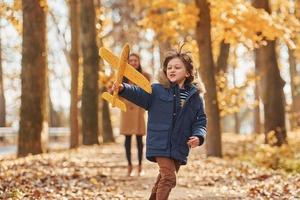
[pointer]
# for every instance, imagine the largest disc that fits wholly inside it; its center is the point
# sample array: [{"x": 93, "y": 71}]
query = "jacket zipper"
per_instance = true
[
  {"x": 175, "y": 115},
  {"x": 173, "y": 118}
]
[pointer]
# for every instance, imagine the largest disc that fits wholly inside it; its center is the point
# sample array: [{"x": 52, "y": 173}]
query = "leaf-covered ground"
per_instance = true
[{"x": 99, "y": 172}]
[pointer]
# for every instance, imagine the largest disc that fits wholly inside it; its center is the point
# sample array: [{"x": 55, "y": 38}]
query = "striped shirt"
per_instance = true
[{"x": 183, "y": 95}]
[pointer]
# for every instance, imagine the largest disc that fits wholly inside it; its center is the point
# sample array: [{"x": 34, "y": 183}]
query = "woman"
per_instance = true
[{"x": 133, "y": 122}]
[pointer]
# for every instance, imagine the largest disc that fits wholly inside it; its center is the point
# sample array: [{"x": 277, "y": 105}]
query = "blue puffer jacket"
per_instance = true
[{"x": 169, "y": 126}]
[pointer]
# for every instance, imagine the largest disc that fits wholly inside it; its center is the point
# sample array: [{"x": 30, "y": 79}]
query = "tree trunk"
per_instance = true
[
  {"x": 164, "y": 47},
  {"x": 293, "y": 73},
  {"x": 237, "y": 122},
  {"x": 90, "y": 73},
  {"x": 74, "y": 124},
  {"x": 54, "y": 116},
  {"x": 222, "y": 66},
  {"x": 207, "y": 72},
  {"x": 223, "y": 57},
  {"x": 2, "y": 97},
  {"x": 257, "y": 120},
  {"x": 107, "y": 128},
  {"x": 272, "y": 90},
  {"x": 297, "y": 9},
  {"x": 33, "y": 115},
  {"x": 295, "y": 89}
]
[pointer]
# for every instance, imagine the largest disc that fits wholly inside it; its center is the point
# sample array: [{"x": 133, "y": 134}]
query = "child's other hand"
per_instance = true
[
  {"x": 193, "y": 142},
  {"x": 117, "y": 88}
]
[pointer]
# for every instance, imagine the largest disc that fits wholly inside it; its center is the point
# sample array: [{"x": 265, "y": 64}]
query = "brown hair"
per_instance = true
[
  {"x": 186, "y": 60},
  {"x": 125, "y": 80},
  {"x": 139, "y": 58}
]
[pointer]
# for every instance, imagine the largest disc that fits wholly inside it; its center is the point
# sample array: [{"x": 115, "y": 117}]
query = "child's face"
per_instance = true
[
  {"x": 176, "y": 71},
  {"x": 134, "y": 61}
]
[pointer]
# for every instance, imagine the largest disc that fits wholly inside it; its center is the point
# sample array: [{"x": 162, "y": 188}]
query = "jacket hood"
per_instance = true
[{"x": 163, "y": 80}]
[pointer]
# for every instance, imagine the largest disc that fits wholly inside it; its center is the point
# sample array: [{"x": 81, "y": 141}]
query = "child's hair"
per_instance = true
[{"x": 185, "y": 58}]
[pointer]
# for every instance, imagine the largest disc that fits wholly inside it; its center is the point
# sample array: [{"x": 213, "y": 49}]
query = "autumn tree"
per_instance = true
[
  {"x": 222, "y": 62},
  {"x": 9, "y": 12},
  {"x": 233, "y": 22},
  {"x": 207, "y": 72},
  {"x": 271, "y": 86},
  {"x": 33, "y": 115},
  {"x": 74, "y": 122},
  {"x": 257, "y": 118},
  {"x": 294, "y": 73},
  {"x": 54, "y": 116},
  {"x": 105, "y": 125},
  {"x": 2, "y": 97},
  {"x": 89, "y": 108}
]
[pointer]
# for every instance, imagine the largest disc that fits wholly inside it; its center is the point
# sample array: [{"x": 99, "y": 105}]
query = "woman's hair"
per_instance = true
[
  {"x": 125, "y": 80},
  {"x": 186, "y": 60},
  {"x": 139, "y": 58}
]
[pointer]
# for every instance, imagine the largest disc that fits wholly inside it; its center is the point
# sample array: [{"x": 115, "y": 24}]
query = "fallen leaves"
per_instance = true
[{"x": 99, "y": 172}]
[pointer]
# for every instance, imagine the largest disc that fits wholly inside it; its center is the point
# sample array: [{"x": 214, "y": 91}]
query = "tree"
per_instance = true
[
  {"x": 237, "y": 121},
  {"x": 105, "y": 126},
  {"x": 90, "y": 90},
  {"x": 223, "y": 57},
  {"x": 294, "y": 73},
  {"x": 55, "y": 117},
  {"x": 207, "y": 72},
  {"x": 33, "y": 115},
  {"x": 2, "y": 97},
  {"x": 271, "y": 86},
  {"x": 107, "y": 131},
  {"x": 74, "y": 21},
  {"x": 257, "y": 120}
]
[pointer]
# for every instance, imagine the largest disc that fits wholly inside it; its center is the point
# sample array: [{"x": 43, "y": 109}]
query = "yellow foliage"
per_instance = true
[
  {"x": 285, "y": 157},
  {"x": 44, "y": 5},
  {"x": 231, "y": 99},
  {"x": 102, "y": 22},
  {"x": 238, "y": 21},
  {"x": 17, "y": 5},
  {"x": 12, "y": 13},
  {"x": 235, "y": 21},
  {"x": 168, "y": 19},
  {"x": 106, "y": 80}
]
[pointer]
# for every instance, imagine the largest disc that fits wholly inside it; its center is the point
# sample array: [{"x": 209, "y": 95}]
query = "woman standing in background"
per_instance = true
[{"x": 133, "y": 122}]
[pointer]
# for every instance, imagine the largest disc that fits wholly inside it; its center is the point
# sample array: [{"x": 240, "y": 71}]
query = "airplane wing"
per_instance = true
[{"x": 130, "y": 72}]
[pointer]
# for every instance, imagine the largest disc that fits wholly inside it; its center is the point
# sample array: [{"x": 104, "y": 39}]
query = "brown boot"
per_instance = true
[
  {"x": 129, "y": 170},
  {"x": 140, "y": 171}
]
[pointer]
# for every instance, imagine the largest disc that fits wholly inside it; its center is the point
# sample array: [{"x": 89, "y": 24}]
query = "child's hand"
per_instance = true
[
  {"x": 193, "y": 142},
  {"x": 116, "y": 88}
]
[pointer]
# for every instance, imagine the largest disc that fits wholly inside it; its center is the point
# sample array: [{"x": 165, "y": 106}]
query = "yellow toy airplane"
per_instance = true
[{"x": 124, "y": 69}]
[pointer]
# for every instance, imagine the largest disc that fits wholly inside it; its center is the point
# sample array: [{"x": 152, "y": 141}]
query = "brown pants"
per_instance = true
[{"x": 166, "y": 179}]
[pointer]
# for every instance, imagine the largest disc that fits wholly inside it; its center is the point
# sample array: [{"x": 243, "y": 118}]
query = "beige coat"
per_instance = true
[{"x": 133, "y": 120}]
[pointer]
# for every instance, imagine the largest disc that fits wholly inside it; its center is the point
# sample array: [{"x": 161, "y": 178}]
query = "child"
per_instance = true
[{"x": 176, "y": 118}]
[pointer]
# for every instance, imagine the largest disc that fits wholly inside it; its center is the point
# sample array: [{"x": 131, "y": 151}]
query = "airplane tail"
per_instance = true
[{"x": 116, "y": 102}]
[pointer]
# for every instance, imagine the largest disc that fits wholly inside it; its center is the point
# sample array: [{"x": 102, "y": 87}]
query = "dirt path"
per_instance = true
[
  {"x": 99, "y": 172},
  {"x": 139, "y": 187}
]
